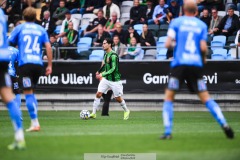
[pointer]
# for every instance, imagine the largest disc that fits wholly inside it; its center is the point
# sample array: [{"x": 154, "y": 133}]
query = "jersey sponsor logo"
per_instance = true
[
  {"x": 67, "y": 78},
  {"x": 26, "y": 82}
]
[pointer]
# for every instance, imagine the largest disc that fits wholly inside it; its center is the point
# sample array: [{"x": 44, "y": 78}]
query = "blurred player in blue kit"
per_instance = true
[
  {"x": 190, "y": 51},
  {"x": 30, "y": 37},
  {"x": 6, "y": 90}
]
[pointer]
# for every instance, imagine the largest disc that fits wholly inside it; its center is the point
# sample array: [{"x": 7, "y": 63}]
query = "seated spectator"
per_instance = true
[
  {"x": 173, "y": 10},
  {"x": 178, "y": 9},
  {"x": 133, "y": 49},
  {"x": 129, "y": 34},
  {"x": 67, "y": 53},
  {"x": 54, "y": 45},
  {"x": 60, "y": 12},
  {"x": 12, "y": 9},
  {"x": 119, "y": 32},
  {"x": 147, "y": 38},
  {"x": 228, "y": 25},
  {"x": 47, "y": 22},
  {"x": 72, "y": 34},
  {"x": 215, "y": 20},
  {"x": 65, "y": 24},
  {"x": 100, "y": 36},
  {"x": 109, "y": 8},
  {"x": 137, "y": 14},
  {"x": 117, "y": 46},
  {"x": 44, "y": 8},
  {"x": 92, "y": 6},
  {"x": 208, "y": 4},
  {"x": 160, "y": 13},
  {"x": 149, "y": 12},
  {"x": 205, "y": 17},
  {"x": 91, "y": 30},
  {"x": 71, "y": 4},
  {"x": 79, "y": 7},
  {"x": 110, "y": 25},
  {"x": 53, "y": 5}
]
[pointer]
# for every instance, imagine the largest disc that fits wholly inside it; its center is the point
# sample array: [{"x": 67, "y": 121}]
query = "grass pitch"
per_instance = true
[{"x": 64, "y": 136}]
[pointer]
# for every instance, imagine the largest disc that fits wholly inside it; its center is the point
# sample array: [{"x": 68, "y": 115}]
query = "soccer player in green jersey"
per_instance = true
[{"x": 109, "y": 77}]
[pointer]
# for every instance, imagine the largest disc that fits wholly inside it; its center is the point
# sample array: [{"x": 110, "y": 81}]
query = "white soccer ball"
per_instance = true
[{"x": 85, "y": 114}]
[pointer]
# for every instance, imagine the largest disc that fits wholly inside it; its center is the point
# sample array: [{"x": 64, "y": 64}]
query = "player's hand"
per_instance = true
[
  {"x": 48, "y": 70},
  {"x": 99, "y": 76}
]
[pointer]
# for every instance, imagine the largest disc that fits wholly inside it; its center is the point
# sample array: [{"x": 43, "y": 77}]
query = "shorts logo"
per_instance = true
[
  {"x": 201, "y": 85},
  {"x": 15, "y": 85},
  {"x": 26, "y": 82},
  {"x": 173, "y": 83},
  {"x": 8, "y": 80}
]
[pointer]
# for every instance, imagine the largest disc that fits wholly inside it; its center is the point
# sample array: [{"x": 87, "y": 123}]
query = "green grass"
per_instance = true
[{"x": 64, "y": 136}]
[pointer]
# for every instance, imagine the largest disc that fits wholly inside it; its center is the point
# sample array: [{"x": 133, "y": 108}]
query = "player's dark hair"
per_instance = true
[
  {"x": 29, "y": 14},
  {"x": 109, "y": 41}
]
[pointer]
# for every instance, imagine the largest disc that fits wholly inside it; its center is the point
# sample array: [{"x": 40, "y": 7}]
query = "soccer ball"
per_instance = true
[{"x": 85, "y": 114}]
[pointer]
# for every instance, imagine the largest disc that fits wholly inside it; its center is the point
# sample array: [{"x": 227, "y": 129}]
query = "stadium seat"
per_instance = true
[
  {"x": 57, "y": 29},
  {"x": 87, "y": 17},
  {"x": 233, "y": 50},
  {"x": 216, "y": 45},
  {"x": 77, "y": 16},
  {"x": 220, "y": 38},
  {"x": 82, "y": 28},
  {"x": 98, "y": 52},
  {"x": 154, "y": 28},
  {"x": 162, "y": 54},
  {"x": 222, "y": 13},
  {"x": 237, "y": 13},
  {"x": 152, "y": 52},
  {"x": 161, "y": 43},
  {"x": 163, "y": 30},
  {"x": 230, "y": 39},
  {"x": 127, "y": 3},
  {"x": 86, "y": 40},
  {"x": 140, "y": 55},
  {"x": 219, "y": 54},
  {"x": 138, "y": 28},
  {"x": 124, "y": 18},
  {"x": 149, "y": 57},
  {"x": 82, "y": 47},
  {"x": 95, "y": 57},
  {"x": 125, "y": 9}
]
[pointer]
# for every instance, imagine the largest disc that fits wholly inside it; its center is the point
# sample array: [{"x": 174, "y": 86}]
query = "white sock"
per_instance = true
[
  {"x": 124, "y": 106},
  {"x": 19, "y": 136},
  {"x": 35, "y": 122},
  {"x": 96, "y": 103}
]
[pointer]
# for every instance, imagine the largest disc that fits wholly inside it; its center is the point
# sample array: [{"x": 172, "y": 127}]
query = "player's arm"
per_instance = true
[
  {"x": 49, "y": 55},
  {"x": 170, "y": 39},
  {"x": 204, "y": 50},
  {"x": 114, "y": 65}
]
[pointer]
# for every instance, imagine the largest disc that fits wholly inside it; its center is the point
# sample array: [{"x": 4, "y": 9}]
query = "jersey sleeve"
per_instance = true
[
  {"x": 204, "y": 33},
  {"x": 45, "y": 37},
  {"x": 172, "y": 30},
  {"x": 114, "y": 65},
  {"x": 13, "y": 38}
]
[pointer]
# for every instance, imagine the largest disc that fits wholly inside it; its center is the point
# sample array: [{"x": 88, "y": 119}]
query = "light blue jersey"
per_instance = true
[
  {"x": 4, "y": 53},
  {"x": 29, "y": 37},
  {"x": 188, "y": 32},
  {"x": 14, "y": 58}
]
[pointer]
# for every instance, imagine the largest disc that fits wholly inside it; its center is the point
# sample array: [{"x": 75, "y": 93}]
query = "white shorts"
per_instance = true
[{"x": 116, "y": 87}]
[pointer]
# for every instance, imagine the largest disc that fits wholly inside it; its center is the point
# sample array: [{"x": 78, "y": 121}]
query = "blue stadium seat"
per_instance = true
[
  {"x": 82, "y": 47},
  {"x": 222, "y": 39},
  {"x": 87, "y": 40},
  {"x": 98, "y": 52},
  {"x": 95, "y": 57},
  {"x": 57, "y": 29},
  {"x": 161, "y": 43},
  {"x": 162, "y": 54},
  {"x": 219, "y": 54},
  {"x": 138, "y": 28},
  {"x": 216, "y": 45}
]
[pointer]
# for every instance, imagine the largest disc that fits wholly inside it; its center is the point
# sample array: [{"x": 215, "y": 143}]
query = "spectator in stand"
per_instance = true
[
  {"x": 92, "y": 6},
  {"x": 80, "y": 7},
  {"x": 119, "y": 32},
  {"x": 129, "y": 34},
  {"x": 174, "y": 9},
  {"x": 72, "y": 34},
  {"x": 160, "y": 13},
  {"x": 91, "y": 30},
  {"x": 229, "y": 25},
  {"x": 65, "y": 23},
  {"x": 100, "y": 36},
  {"x": 44, "y": 8},
  {"x": 47, "y": 22},
  {"x": 71, "y": 4},
  {"x": 149, "y": 12},
  {"x": 109, "y": 8},
  {"x": 133, "y": 49},
  {"x": 67, "y": 53},
  {"x": 147, "y": 38},
  {"x": 117, "y": 46},
  {"x": 214, "y": 21},
  {"x": 53, "y": 5},
  {"x": 208, "y": 4},
  {"x": 110, "y": 26},
  {"x": 12, "y": 9},
  {"x": 205, "y": 17},
  {"x": 60, "y": 12},
  {"x": 137, "y": 14},
  {"x": 54, "y": 45}
]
